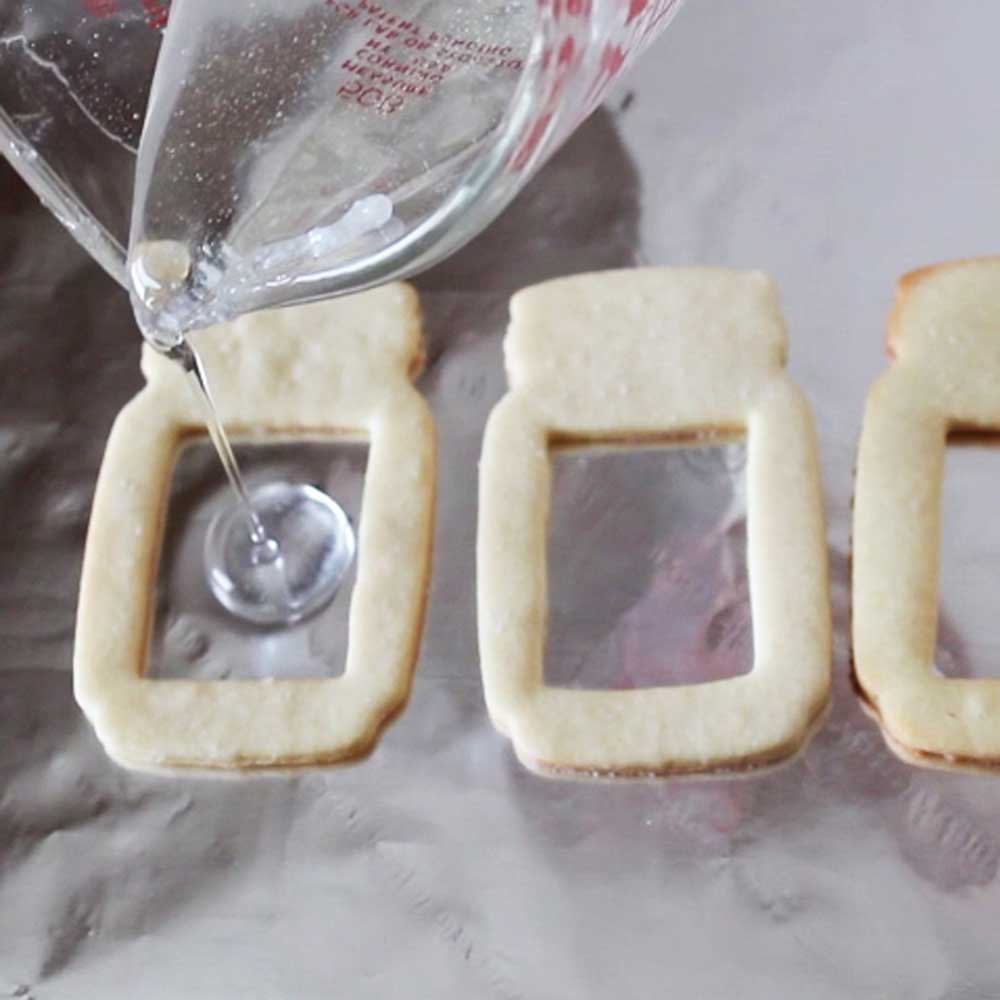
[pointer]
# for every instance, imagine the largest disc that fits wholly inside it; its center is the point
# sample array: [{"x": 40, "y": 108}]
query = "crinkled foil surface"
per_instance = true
[{"x": 834, "y": 145}]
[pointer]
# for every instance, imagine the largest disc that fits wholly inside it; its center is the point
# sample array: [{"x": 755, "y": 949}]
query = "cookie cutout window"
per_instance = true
[
  {"x": 647, "y": 565},
  {"x": 652, "y": 354},
  {"x": 968, "y": 636},
  {"x": 193, "y": 635}
]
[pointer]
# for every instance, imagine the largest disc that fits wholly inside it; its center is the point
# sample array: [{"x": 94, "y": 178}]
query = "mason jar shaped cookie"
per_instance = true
[
  {"x": 338, "y": 368},
  {"x": 646, "y": 355}
]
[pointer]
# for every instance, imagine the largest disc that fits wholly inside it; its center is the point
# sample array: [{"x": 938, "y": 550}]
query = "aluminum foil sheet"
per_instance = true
[{"x": 834, "y": 145}]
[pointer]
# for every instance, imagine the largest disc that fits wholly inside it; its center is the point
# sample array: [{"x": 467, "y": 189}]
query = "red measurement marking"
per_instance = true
[
  {"x": 156, "y": 13},
  {"x": 531, "y": 141},
  {"x": 612, "y": 59},
  {"x": 399, "y": 60},
  {"x": 571, "y": 8},
  {"x": 635, "y": 8},
  {"x": 344, "y": 8},
  {"x": 661, "y": 10},
  {"x": 101, "y": 8}
]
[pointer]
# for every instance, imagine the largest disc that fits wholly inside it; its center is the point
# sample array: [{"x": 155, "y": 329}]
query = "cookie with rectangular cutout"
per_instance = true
[
  {"x": 342, "y": 367},
  {"x": 944, "y": 339},
  {"x": 653, "y": 354}
]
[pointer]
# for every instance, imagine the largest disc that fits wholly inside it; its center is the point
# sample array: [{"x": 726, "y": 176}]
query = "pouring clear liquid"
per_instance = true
[
  {"x": 278, "y": 554},
  {"x": 288, "y": 149}
]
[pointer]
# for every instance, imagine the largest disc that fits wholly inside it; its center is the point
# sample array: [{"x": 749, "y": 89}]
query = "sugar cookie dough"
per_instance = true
[
  {"x": 944, "y": 336},
  {"x": 339, "y": 367},
  {"x": 653, "y": 354}
]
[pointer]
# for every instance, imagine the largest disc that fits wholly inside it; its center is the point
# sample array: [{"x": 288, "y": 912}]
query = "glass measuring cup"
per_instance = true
[
  {"x": 293, "y": 150},
  {"x": 75, "y": 78},
  {"x": 354, "y": 141}
]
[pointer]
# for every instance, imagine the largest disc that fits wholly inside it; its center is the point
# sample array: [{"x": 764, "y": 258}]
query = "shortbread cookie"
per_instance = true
[
  {"x": 343, "y": 367},
  {"x": 944, "y": 337},
  {"x": 653, "y": 354}
]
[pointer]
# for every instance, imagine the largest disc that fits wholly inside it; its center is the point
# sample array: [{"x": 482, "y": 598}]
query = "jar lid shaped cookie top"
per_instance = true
[
  {"x": 946, "y": 324},
  {"x": 670, "y": 346},
  {"x": 374, "y": 345}
]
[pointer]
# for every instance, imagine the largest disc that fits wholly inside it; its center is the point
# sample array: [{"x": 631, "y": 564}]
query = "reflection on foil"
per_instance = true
[
  {"x": 937, "y": 821},
  {"x": 193, "y": 636},
  {"x": 647, "y": 565},
  {"x": 968, "y": 640}
]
